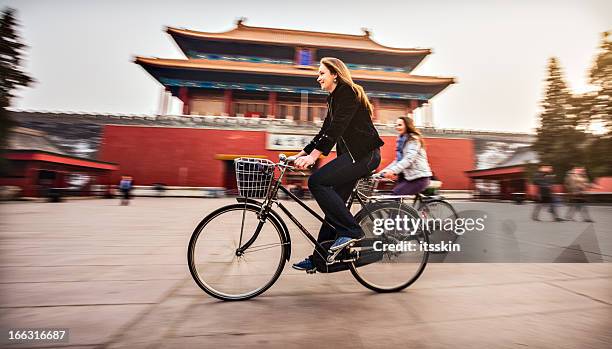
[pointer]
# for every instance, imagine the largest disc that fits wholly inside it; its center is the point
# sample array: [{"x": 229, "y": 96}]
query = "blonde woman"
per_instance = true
[{"x": 348, "y": 125}]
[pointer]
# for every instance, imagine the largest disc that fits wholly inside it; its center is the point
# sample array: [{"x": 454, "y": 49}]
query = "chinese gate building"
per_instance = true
[
  {"x": 266, "y": 76},
  {"x": 270, "y": 73}
]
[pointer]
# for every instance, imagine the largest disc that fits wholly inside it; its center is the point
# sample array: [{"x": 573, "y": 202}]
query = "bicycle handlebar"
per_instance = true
[{"x": 284, "y": 161}]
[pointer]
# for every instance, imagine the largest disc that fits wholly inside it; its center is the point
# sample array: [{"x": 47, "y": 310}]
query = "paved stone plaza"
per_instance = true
[{"x": 116, "y": 276}]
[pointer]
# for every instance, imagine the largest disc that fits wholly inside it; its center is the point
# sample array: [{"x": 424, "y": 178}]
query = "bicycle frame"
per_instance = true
[{"x": 272, "y": 198}]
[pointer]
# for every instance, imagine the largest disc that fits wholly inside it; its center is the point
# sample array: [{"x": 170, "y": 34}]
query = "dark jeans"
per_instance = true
[{"x": 332, "y": 184}]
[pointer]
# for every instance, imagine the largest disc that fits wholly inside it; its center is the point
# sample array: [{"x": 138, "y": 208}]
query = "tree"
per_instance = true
[
  {"x": 11, "y": 75},
  {"x": 601, "y": 77},
  {"x": 560, "y": 140},
  {"x": 600, "y": 149}
]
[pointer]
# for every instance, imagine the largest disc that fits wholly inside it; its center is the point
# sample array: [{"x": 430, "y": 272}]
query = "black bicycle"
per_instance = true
[
  {"x": 435, "y": 210},
  {"x": 238, "y": 251}
]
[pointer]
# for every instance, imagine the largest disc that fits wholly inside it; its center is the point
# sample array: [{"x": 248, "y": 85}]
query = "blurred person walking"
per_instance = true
[
  {"x": 576, "y": 183},
  {"x": 125, "y": 186},
  {"x": 348, "y": 125},
  {"x": 544, "y": 179}
]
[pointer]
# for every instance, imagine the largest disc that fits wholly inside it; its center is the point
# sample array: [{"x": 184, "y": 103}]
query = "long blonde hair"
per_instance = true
[{"x": 338, "y": 67}]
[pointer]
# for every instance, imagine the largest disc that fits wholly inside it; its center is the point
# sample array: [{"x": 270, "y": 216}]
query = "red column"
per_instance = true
[
  {"x": 413, "y": 105},
  {"x": 229, "y": 101},
  {"x": 272, "y": 104},
  {"x": 61, "y": 179},
  {"x": 184, "y": 97},
  {"x": 376, "y": 105},
  {"x": 30, "y": 183}
]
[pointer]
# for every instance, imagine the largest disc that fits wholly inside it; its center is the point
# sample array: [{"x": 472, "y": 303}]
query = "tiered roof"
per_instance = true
[
  {"x": 303, "y": 38},
  {"x": 222, "y": 60}
]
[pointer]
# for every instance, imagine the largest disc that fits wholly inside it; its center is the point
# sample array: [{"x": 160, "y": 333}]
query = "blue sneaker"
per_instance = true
[
  {"x": 342, "y": 242},
  {"x": 306, "y": 264}
]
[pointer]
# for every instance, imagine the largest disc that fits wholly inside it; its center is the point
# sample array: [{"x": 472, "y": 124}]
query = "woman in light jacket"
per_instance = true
[{"x": 410, "y": 168}]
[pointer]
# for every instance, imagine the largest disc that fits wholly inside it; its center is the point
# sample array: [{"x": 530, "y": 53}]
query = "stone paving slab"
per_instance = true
[
  {"x": 84, "y": 292},
  {"x": 89, "y": 325},
  {"x": 597, "y": 289},
  {"x": 573, "y": 329}
]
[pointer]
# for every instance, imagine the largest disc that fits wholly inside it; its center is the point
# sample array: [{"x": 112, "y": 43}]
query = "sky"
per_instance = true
[{"x": 81, "y": 52}]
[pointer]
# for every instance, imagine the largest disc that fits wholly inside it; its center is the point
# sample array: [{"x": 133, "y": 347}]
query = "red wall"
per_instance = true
[
  {"x": 157, "y": 154},
  {"x": 449, "y": 158}
]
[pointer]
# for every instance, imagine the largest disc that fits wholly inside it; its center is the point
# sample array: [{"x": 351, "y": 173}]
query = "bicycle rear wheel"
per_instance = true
[
  {"x": 217, "y": 264},
  {"x": 394, "y": 259}
]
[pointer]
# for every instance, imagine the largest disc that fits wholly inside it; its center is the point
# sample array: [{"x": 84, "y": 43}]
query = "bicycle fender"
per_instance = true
[{"x": 277, "y": 219}]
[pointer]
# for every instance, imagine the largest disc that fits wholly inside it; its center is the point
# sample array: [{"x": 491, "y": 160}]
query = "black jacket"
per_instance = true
[
  {"x": 348, "y": 123},
  {"x": 544, "y": 182}
]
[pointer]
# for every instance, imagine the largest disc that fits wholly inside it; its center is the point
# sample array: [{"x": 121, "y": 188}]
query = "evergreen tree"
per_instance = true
[
  {"x": 11, "y": 75},
  {"x": 600, "y": 149},
  {"x": 601, "y": 77},
  {"x": 559, "y": 142}
]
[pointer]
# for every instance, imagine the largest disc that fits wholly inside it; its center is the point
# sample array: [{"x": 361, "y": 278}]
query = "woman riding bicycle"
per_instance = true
[
  {"x": 348, "y": 125},
  {"x": 410, "y": 168}
]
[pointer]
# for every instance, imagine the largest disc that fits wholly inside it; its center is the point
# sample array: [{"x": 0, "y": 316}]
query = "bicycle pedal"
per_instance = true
[
  {"x": 311, "y": 271},
  {"x": 349, "y": 260}
]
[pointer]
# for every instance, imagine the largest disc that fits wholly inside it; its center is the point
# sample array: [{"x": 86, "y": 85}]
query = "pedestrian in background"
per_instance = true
[
  {"x": 125, "y": 186},
  {"x": 544, "y": 179},
  {"x": 576, "y": 183}
]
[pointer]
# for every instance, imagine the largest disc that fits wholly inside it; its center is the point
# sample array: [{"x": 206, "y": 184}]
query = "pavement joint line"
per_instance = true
[
  {"x": 120, "y": 333},
  {"x": 84, "y": 280},
  {"x": 84, "y": 265},
  {"x": 59, "y": 345},
  {"x": 579, "y": 293},
  {"x": 567, "y": 274},
  {"x": 224, "y": 334},
  {"x": 89, "y": 254},
  {"x": 72, "y": 305},
  {"x": 239, "y": 334}
]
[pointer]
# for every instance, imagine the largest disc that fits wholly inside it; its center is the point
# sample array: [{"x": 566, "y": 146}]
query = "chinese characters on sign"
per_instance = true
[{"x": 277, "y": 141}]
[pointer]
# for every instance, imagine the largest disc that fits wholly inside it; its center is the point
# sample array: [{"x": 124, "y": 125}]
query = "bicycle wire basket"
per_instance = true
[
  {"x": 366, "y": 187},
  {"x": 254, "y": 177}
]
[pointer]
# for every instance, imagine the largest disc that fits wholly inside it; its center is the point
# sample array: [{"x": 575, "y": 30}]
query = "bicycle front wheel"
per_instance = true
[
  {"x": 392, "y": 255},
  {"x": 233, "y": 255}
]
